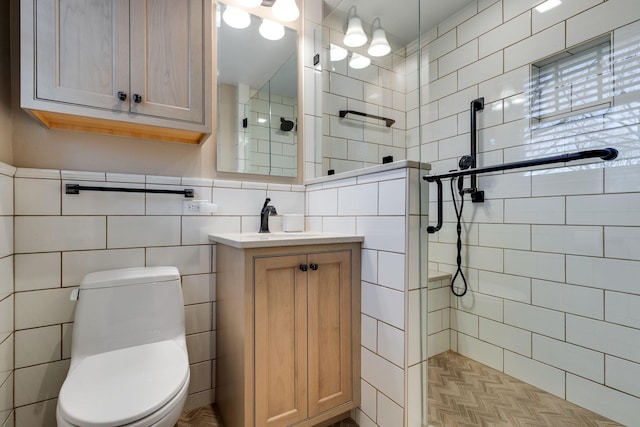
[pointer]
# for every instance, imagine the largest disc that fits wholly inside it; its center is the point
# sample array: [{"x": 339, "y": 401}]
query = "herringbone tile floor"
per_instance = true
[
  {"x": 465, "y": 393},
  {"x": 206, "y": 416}
]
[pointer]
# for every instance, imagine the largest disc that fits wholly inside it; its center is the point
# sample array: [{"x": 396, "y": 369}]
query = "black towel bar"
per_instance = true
[
  {"x": 387, "y": 121},
  {"x": 76, "y": 188}
]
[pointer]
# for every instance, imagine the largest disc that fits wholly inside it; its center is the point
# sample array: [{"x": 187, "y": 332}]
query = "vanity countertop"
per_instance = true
[{"x": 262, "y": 240}]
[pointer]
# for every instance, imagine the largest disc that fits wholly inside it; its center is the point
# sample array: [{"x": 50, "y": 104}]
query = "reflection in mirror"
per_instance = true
[
  {"x": 257, "y": 97},
  {"x": 373, "y": 69},
  {"x": 370, "y": 58}
]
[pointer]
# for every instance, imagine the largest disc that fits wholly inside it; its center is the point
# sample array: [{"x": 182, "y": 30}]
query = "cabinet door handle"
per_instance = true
[
  {"x": 303, "y": 267},
  {"x": 137, "y": 98},
  {"x": 122, "y": 96},
  {"x": 314, "y": 267}
]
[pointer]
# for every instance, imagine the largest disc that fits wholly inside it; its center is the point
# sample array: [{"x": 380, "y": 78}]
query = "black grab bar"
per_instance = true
[
  {"x": 76, "y": 188},
  {"x": 476, "y": 105},
  {"x": 389, "y": 122},
  {"x": 603, "y": 153}
]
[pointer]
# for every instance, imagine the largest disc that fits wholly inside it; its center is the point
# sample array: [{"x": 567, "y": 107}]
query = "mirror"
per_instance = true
[
  {"x": 377, "y": 110},
  {"x": 257, "y": 100}
]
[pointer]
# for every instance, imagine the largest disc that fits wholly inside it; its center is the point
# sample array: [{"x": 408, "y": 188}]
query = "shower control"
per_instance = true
[{"x": 465, "y": 162}]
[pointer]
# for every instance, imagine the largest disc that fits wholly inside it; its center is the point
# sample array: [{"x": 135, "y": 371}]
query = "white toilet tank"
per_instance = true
[{"x": 127, "y": 307}]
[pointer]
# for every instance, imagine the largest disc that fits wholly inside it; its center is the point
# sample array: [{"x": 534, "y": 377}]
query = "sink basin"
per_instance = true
[{"x": 256, "y": 240}]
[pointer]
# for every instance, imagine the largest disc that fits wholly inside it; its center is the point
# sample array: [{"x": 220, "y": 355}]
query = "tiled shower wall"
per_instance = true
[
  {"x": 6, "y": 295},
  {"x": 380, "y": 89},
  {"x": 552, "y": 255},
  {"x": 383, "y": 207},
  {"x": 59, "y": 238},
  {"x": 355, "y": 142},
  {"x": 267, "y": 149}
]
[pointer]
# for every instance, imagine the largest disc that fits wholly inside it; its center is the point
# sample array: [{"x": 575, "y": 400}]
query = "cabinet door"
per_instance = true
[
  {"x": 82, "y": 51},
  {"x": 329, "y": 336},
  {"x": 280, "y": 341},
  {"x": 167, "y": 58}
]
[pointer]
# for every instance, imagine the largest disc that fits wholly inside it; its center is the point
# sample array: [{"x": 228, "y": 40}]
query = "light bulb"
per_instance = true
[
  {"x": 236, "y": 18},
  {"x": 358, "y": 61},
  {"x": 337, "y": 53},
  {"x": 379, "y": 44},
  {"x": 249, "y": 3},
  {"x": 271, "y": 30},
  {"x": 285, "y": 10},
  {"x": 355, "y": 35}
]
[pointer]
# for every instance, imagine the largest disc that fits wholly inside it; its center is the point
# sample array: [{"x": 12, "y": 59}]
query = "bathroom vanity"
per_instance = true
[{"x": 288, "y": 328}]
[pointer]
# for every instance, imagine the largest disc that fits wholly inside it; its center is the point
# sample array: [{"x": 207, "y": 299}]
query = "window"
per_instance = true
[{"x": 572, "y": 83}]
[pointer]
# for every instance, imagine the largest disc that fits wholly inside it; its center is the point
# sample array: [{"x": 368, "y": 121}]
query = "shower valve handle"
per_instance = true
[{"x": 465, "y": 162}]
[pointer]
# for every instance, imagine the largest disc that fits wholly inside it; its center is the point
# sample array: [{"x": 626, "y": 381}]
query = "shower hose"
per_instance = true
[{"x": 459, "y": 243}]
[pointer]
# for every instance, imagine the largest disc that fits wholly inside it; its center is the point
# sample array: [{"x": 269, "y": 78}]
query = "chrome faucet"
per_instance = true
[{"x": 266, "y": 211}]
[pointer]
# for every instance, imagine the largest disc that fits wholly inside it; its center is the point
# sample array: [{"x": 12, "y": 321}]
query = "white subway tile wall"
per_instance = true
[
  {"x": 353, "y": 142},
  {"x": 263, "y": 148},
  {"x": 553, "y": 265},
  {"x": 7, "y": 296},
  {"x": 60, "y": 241},
  {"x": 394, "y": 308}
]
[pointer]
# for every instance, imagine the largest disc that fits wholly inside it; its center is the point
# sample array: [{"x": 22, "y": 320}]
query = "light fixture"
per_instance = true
[
  {"x": 285, "y": 10},
  {"x": 548, "y": 5},
  {"x": 355, "y": 35},
  {"x": 358, "y": 62},
  {"x": 236, "y": 18},
  {"x": 249, "y": 3},
  {"x": 271, "y": 30},
  {"x": 337, "y": 53},
  {"x": 379, "y": 45}
]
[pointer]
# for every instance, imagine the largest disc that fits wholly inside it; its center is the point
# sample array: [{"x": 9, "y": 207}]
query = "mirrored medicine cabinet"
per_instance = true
[{"x": 257, "y": 97}]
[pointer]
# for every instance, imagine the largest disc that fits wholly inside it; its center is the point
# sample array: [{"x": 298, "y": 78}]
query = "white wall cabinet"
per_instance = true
[{"x": 139, "y": 68}]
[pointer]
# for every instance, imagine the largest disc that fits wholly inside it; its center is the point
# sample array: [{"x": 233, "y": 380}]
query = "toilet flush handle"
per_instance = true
[{"x": 75, "y": 294}]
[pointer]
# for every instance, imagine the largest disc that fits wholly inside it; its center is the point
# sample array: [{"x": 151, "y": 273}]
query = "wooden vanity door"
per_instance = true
[
  {"x": 280, "y": 340},
  {"x": 330, "y": 329}
]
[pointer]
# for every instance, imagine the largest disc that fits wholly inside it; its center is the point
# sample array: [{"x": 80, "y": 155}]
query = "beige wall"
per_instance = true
[
  {"x": 6, "y": 154},
  {"x": 34, "y": 146},
  {"x": 38, "y": 147}
]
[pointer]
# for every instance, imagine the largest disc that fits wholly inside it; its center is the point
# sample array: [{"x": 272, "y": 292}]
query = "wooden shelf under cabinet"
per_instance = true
[{"x": 116, "y": 128}]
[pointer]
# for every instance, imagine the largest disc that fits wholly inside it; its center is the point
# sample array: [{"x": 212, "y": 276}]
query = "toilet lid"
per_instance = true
[{"x": 122, "y": 386}]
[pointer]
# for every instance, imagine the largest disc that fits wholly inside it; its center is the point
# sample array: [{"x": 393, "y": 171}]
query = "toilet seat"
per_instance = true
[{"x": 123, "y": 386}]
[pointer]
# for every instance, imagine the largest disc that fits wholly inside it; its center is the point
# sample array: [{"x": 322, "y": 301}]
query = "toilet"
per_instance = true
[{"x": 129, "y": 362}]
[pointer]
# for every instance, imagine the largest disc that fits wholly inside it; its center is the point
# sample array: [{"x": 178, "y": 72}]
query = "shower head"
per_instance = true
[{"x": 285, "y": 125}]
